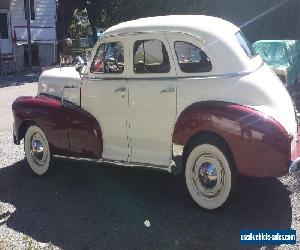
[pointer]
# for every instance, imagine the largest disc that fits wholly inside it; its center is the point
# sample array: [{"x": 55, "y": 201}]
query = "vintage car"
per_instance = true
[{"x": 185, "y": 94}]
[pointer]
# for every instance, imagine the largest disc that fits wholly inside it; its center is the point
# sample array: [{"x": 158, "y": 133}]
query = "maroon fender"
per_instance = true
[
  {"x": 259, "y": 144},
  {"x": 70, "y": 130}
]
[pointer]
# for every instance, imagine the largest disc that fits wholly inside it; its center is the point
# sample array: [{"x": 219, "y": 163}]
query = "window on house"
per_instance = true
[
  {"x": 109, "y": 58},
  {"x": 150, "y": 56},
  {"x": 31, "y": 9},
  {"x": 192, "y": 59},
  {"x": 3, "y": 26}
]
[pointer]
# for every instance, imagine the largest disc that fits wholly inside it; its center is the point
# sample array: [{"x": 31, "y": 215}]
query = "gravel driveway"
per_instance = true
[{"x": 89, "y": 206}]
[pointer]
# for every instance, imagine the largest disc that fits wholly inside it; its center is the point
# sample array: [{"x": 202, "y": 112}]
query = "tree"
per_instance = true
[
  {"x": 80, "y": 25},
  {"x": 105, "y": 13}
]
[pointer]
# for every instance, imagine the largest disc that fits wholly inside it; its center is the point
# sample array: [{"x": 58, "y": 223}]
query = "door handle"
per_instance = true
[
  {"x": 168, "y": 90},
  {"x": 71, "y": 87},
  {"x": 122, "y": 89}
]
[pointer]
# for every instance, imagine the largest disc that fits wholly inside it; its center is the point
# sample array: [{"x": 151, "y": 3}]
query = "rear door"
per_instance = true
[{"x": 152, "y": 99}]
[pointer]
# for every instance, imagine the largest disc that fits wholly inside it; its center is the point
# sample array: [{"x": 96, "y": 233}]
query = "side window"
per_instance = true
[
  {"x": 150, "y": 56},
  {"x": 192, "y": 59},
  {"x": 109, "y": 58}
]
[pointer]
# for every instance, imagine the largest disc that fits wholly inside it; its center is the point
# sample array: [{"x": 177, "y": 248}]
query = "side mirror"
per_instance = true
[{"x": 78, "y": 68}]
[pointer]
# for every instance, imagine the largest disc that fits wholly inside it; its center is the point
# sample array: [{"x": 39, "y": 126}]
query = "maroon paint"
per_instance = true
[
  {"x": 70, "y": 130},
  {"x": 259, "y": 144},
  {"x": 84, "y": 134}
]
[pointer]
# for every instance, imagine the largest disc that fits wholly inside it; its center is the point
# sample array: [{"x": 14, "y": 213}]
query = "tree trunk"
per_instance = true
[
  {"x": 93, "y": 24},
  {"x": 65, "y": 11},
  {"x": 28, "y": 15}
]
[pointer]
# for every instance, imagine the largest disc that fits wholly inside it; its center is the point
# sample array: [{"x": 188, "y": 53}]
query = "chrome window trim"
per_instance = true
[{"x": 228, "y": 75}]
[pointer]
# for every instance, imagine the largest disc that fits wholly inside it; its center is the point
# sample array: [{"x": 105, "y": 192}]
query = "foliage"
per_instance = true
[
  {"x": 80, "y": 25},
  {"x": 105, "y": 13}
]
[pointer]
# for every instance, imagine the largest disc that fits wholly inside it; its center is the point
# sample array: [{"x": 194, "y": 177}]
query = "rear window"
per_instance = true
[
  {"x": 245, "y": 44},
  {"x": 192, "y": 59}
]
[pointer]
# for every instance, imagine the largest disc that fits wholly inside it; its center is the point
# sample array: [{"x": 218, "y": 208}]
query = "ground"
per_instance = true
[{"x": 89, "y": 206}]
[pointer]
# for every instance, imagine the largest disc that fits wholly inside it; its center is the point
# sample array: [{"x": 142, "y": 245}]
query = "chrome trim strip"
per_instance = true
[
  {"x": 228, "y": 75},
  {"x": 113, "y": 162},
  {"x": 104, "y": 36},
  {"x": 105, "y": 78}
]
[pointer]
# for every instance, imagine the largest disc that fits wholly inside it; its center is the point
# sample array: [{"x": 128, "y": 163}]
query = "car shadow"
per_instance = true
[
  {"x": 87, "y": 206},
  {"x": 18, "y": 79}
]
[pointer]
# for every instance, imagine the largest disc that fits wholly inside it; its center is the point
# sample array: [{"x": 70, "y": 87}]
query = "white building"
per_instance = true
[{"x": 42, "y": 27}]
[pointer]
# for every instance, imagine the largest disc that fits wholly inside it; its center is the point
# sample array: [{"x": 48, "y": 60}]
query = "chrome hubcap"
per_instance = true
[
  {"x": 208, "y": 176},
  {"x": 38, "y": 149}
]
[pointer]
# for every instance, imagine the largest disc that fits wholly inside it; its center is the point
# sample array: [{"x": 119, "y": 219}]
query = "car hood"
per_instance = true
[{"x": 53, "y": 81}]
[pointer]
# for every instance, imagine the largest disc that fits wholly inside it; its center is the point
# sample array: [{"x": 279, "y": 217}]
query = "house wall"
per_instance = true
[
  {"x": 4, "y": 4},
  {"x": 43, "y": 30}
]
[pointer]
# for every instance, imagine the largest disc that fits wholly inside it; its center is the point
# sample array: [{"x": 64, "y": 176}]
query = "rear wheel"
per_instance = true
[
  {"x": 37, "y": 150},
  {"x": 210, "y": 175}
]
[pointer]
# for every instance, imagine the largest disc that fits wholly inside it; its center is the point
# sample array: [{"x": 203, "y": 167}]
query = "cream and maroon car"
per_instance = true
[{"x": 185, "y": 94}]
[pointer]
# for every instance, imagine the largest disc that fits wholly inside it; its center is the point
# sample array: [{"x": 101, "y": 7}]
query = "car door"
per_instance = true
[
  {"x": 105, "y": 95},
  {"x": 152, "y": 99}
]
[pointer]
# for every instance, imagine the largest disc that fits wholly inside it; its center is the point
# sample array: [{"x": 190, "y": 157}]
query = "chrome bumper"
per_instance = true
[{"x": 294, "y": 166}]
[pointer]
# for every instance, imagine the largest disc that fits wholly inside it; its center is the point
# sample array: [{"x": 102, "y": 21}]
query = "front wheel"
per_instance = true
[
  {"x": 37, "y": 150},
  {"x": 209, "y": 175}
]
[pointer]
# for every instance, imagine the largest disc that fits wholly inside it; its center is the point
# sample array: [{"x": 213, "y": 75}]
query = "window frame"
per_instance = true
[
  {"x": 201, "y": 50},
  {"x": 96, "y": 52},
  {"x": 7, "y": 27},
  {"x": 152, "y": 38},
  {"x": 31, "y": 10}
]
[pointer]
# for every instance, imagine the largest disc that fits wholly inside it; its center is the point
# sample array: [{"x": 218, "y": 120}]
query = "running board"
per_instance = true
[{"x": 116, "y": 163}]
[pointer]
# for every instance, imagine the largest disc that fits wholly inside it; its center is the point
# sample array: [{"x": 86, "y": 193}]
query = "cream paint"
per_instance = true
[
  {"x": 138, "y": 127},
  {"x": 101, "y": 96},
  {"x": 152, "y": 110},
  {"x": 61, "y": 82}
]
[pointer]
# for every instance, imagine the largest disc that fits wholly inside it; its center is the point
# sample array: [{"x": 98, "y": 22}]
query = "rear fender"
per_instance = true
[{"x": 260, "y": 145}]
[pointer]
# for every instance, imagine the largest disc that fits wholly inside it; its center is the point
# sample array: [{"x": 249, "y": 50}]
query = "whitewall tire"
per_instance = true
[
  {"x": 209, "y": 175},
  {"x": 37, "y": 150}
]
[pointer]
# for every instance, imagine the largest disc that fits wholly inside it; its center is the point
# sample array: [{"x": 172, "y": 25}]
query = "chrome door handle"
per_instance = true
[
  {"x": 122, "y": 89},
  {"x": 168, "y": 90},
  {"x": 71, "y": 87}
]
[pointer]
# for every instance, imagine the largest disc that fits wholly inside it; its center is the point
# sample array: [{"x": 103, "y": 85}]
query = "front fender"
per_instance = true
[
  {"x": 70, "y": 130},
  {"x": 48, "y": 114},
  {"x": 259, "y": 144}
]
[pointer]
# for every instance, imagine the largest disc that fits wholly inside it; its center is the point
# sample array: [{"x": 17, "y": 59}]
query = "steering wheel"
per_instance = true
[{"x": 112, "y": 60}]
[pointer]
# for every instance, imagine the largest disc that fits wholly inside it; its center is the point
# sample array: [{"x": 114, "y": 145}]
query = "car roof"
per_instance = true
[{"x": 197, "y": 25}]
